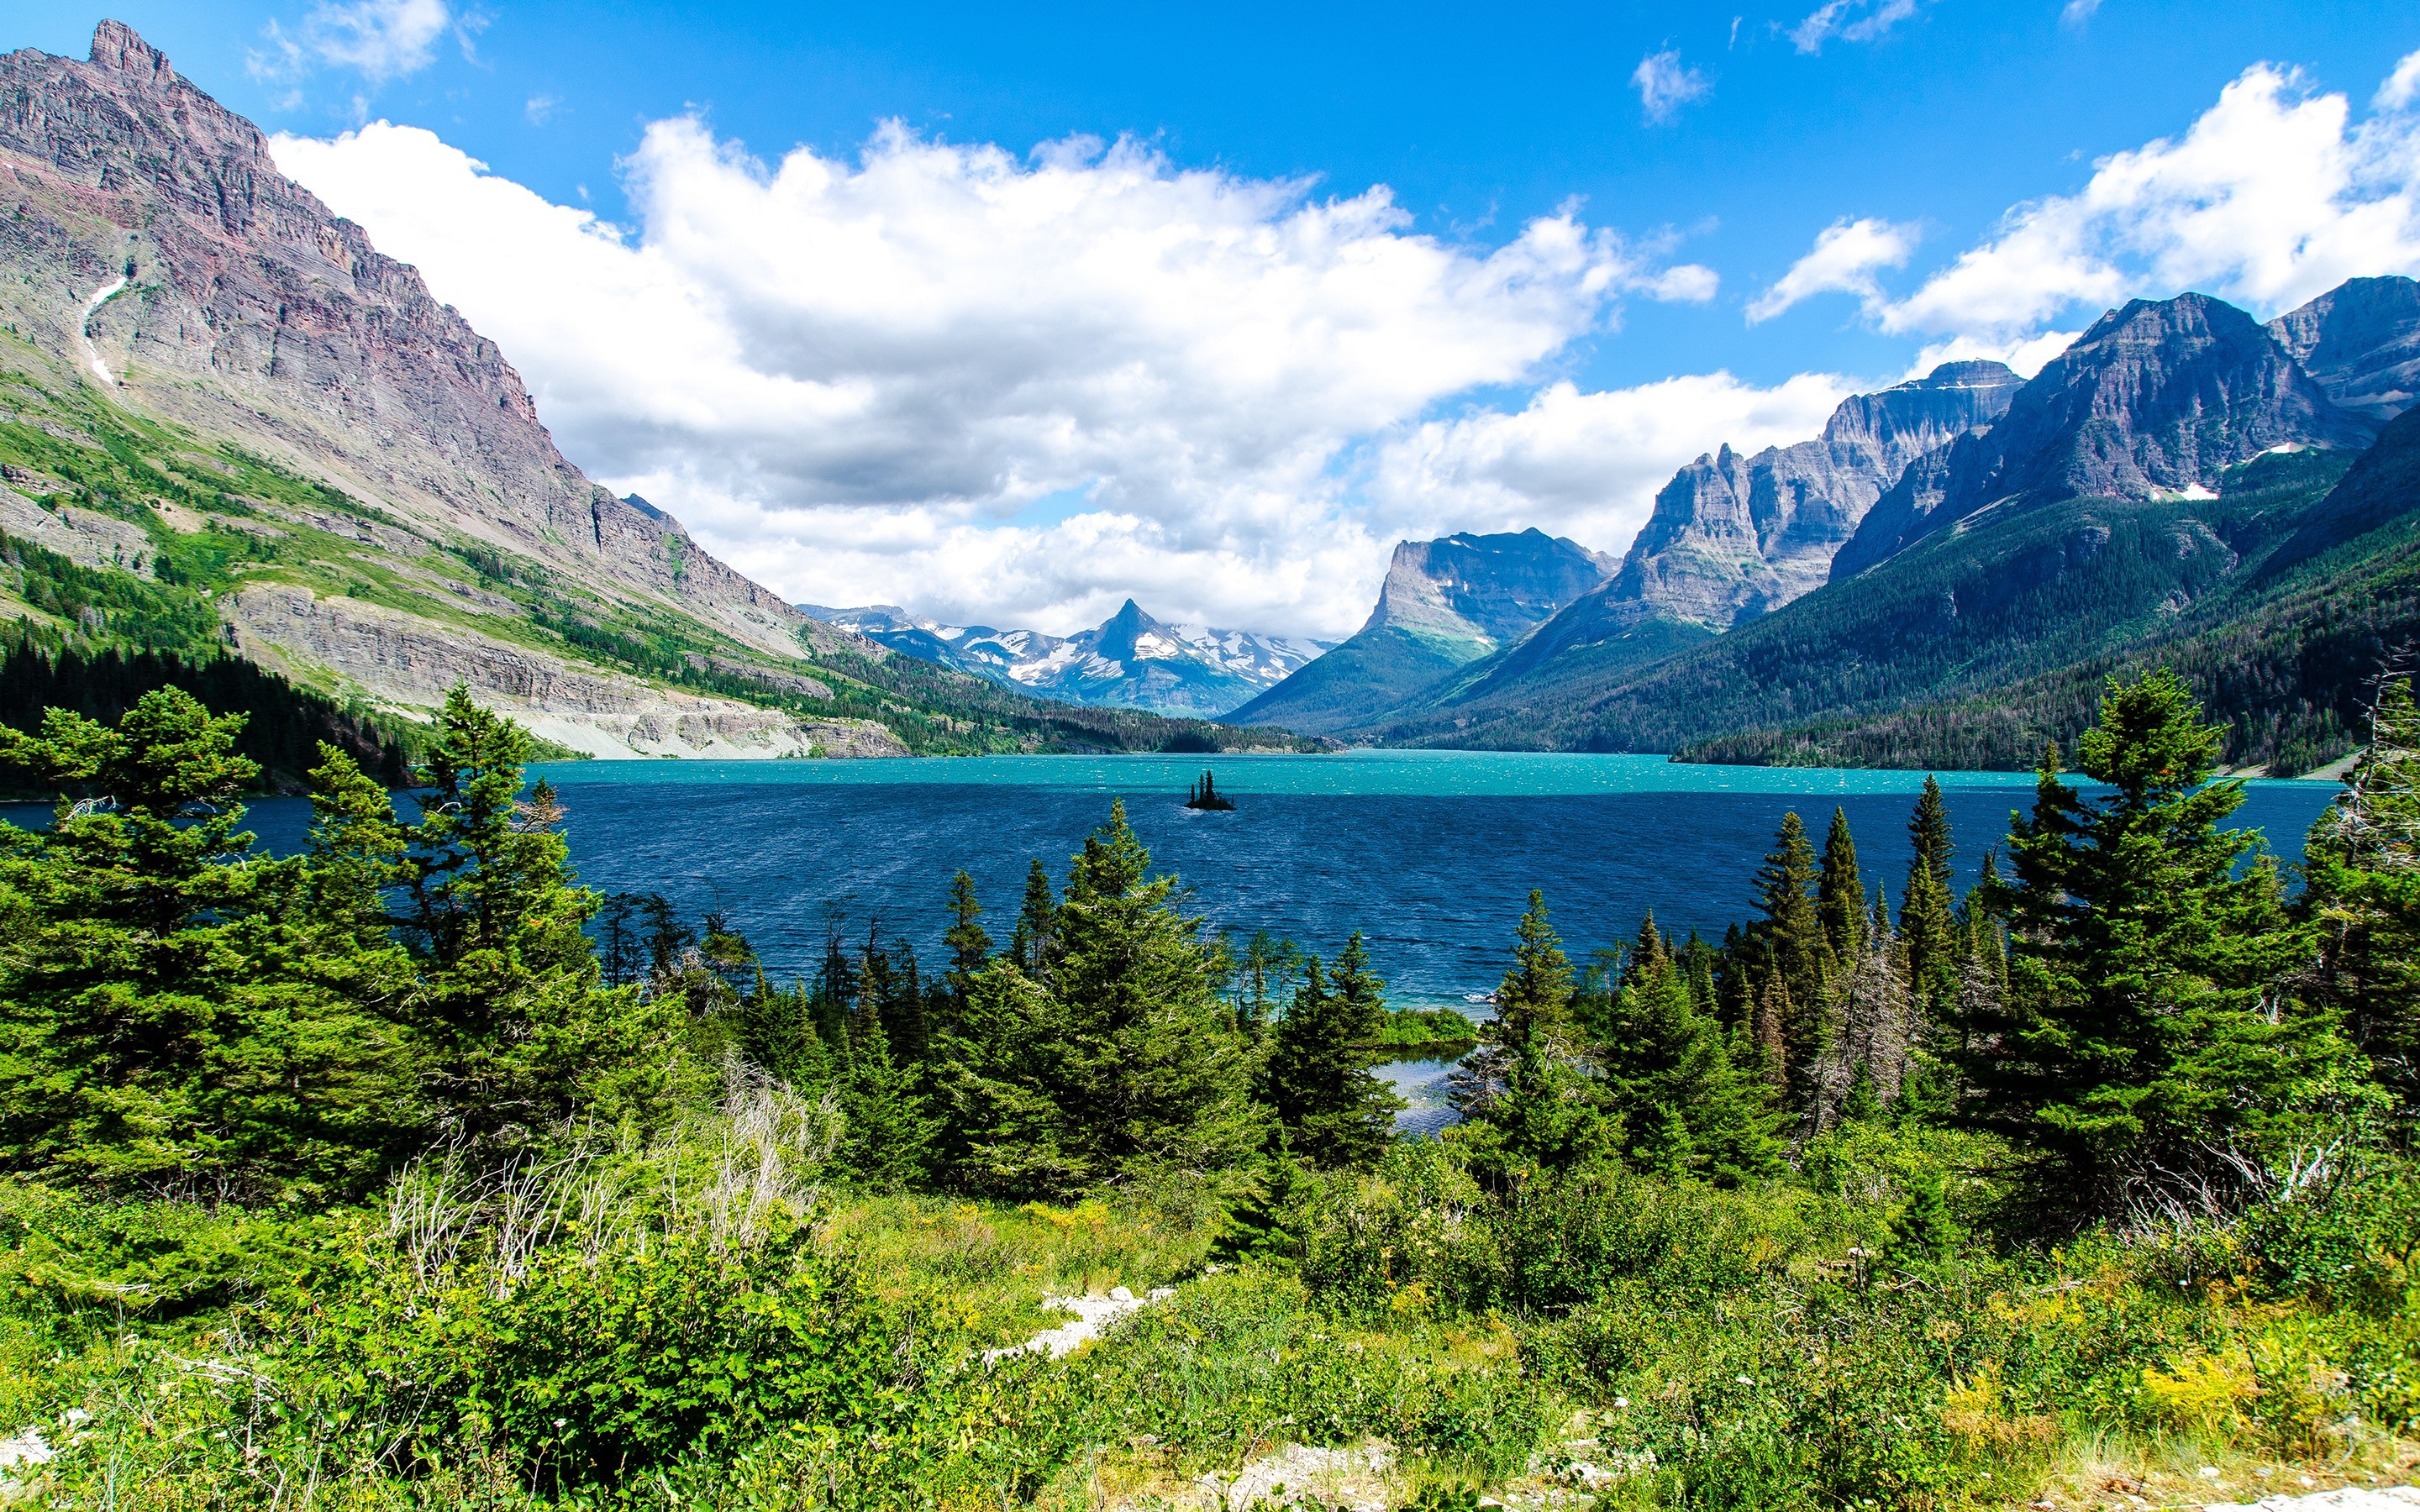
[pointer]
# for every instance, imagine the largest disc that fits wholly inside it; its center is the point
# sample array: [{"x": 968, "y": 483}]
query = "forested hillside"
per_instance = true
[{"x": 432, "y": 1178}]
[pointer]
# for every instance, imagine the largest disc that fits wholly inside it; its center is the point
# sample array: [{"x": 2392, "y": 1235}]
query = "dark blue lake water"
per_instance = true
[{"x": 1430, "y": 853}]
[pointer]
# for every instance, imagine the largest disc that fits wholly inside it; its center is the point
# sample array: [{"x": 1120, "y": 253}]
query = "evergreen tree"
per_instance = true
[
  {"x": 1922, "y": 1229},
  {"x": 1795, "y": 951},
  {"x": 970, "y": 945},
  {"x": 2362, "y": 866},
  {"x": 1925, "y": 907},
  {"x": 887, "y": 1137},
  {"x": 175, "y": 1010},
  {"x": 511, "y": 1004},
  {"x": 1691, "y": 1110},
  {"x": 1318, "y": 1076},
  {"x": 1772, "y": 1012},
  {"x": 2143, "y": 1034},
  {"x": 620, "y": 951},
  {"x": 1522, "y": 1094},
  {"x": 1037, "y": 926},
  {"x": 1153, "y": 1079},
  {"x": 668, "y": 940},
  {"x": 1270, "y": 1218},
  {"x": 1840, "y": 892},
  {"x": 998, "y": 1078}
]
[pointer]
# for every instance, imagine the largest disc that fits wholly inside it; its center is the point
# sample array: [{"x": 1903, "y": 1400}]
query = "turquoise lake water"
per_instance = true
[{"x": 1430, "y": 854}]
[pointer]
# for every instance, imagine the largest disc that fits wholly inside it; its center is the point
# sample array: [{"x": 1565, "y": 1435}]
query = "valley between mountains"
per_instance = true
[{"x": 230, "y": 426}]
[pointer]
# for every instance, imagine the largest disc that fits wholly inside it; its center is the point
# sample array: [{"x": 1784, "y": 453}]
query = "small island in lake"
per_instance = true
[{"x": 1205, "y": 794}]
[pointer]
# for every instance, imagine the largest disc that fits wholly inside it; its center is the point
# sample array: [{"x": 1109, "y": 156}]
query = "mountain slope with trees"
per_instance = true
[{"x": 2218, "y": 542}]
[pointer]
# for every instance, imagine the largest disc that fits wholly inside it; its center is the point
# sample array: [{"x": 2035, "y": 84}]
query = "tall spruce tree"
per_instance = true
[
  {"x": 1924, "y": 914},
  {"x": 1687, "y": 1107},
  {"x": 2362, "y": 865},
  {"x": 176, "y": 1011},
  {"x": 520, "y": 1029},
  {"x": 970, "y": 945},
  {"x": 1524, "y": 1098},
  {"x": 1791, "y": 937},
  {"x": 1840, "y": 892},
  {"x": 886, "y": 1135},
  {"x": 1154, "y": 1080},
  {"x": 2144, "y": 1036},
  {"x": 1037, "y": 925},
  {"x": 1333, "y": 1110}
]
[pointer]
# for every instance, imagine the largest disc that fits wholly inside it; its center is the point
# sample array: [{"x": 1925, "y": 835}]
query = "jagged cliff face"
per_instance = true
[
  {"x": 159, "y": 267},
  {"x": 1733, "y": 538},
  {"x": 1482, "y": 591},
  {"x": 1445, "y": 604},
  {"x": 2361, "y": 341},
  {"x": 159, "y": 251},
  {"x": 2156, "y": 400}
]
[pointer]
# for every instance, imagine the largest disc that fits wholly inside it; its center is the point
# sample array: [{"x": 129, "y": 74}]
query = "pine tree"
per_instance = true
[
  {"x": 1318, "y": 1077},
  {"x": 1796, "y": 954},
  {"x": 177, "y": 1010},
  {"x": 1922, "y": 1229},
  {"x": 1692, "y": 1110},
  {"x": 1925, "y": 907},
  {"x": 1037, "y": 926},
  {"x": 1523, "y": 1096},
  {"x": 1772, "y": 1012},
  {"x": 1270, "y": 1218},
  {"x": 1156, "y": 1079},
  {"x": 970, "y": 945},
  {"x": 2362, "y": 864},
  {"x": 2143, "y": 1033},
  {"x": 520, "y": 1028},
  {"x": 996, "y": 1082},
  {"x": 1840, "y": 892},
  {"x": 887, "y": 1137}
]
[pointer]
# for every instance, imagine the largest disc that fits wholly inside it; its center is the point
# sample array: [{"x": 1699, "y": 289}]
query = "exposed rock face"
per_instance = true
[
  {"x": 1445, "y": 604},
  {"x": 2361, "y": 340},
  {"x": 1484, "y": 591},
  {"x": 2156, "y": 400},
  {"x": 592, "y": 711},
  {"x": 1130, "y": 661},
  {"x": 246, "y": 309},
  {"x": 1733, "y": 538}
]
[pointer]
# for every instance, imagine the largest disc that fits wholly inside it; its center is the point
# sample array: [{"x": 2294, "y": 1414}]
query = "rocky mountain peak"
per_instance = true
[
  {"x": 116, "y": 46},
  {"x": 231, "y": 301},
  {"x": 2361, "y": 341},
  {"x": 1487, "y": 590},
  {"x": 2157, "y": 399},
  {"x": 1733, "y": 538}
]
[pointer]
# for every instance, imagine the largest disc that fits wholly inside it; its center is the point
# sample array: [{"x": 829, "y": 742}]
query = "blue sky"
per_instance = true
[{"x": 1722, "y": 141}]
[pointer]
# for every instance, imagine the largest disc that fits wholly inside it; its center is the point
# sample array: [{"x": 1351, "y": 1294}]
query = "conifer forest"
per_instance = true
[{"x": 405, "y": 1171}]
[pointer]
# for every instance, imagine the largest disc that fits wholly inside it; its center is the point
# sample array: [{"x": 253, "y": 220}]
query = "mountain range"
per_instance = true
[
  {"x": 1130, "y": 661},
  {"x": 227, "y": 423},
  {"x": 1943, "y": 576}
]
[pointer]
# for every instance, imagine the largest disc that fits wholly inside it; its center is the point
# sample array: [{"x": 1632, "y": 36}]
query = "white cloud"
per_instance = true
[
  {"x": 2076, "y": 12},
  {"x": 1852, "y": 21},
  {"x": 1664, "y": 85},
  {"x": 2402, "y": 87},
  {"x": 2026, "y": 355},
  {"x": 380, "y": 39},
  {"x": 1585, "y": 465},
  {"x": 1845, "y": 258},
  {"x": 851, "y": 377},
  {"x": 2273, "y": 195},
  {"x": 541, "y": 109}
]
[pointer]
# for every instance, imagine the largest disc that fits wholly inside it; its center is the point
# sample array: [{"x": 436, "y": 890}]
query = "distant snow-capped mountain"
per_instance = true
[{"x": 1129, "y": 661}]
